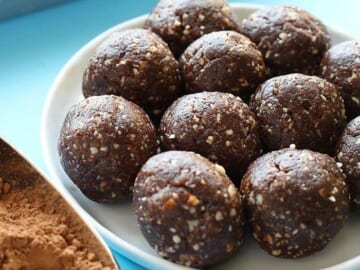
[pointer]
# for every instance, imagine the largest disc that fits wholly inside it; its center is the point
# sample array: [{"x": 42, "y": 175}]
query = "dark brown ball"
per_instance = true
[
  {"x": 298, "y": 109},
  {"x": 103, "y": 143},
  {"x": 181, "y": 22},
  {"x": 297, "y": 201},
  {"x": 348, "y": 153},
  {"x": 223, "y": 61},
  {"x": 341, "y": 66},
  {"x": 188, "y": 209},
  {"x": 290, "y": 39},
  {"x": 216, "y": 125},
  {"x": 137, "y": 65}
]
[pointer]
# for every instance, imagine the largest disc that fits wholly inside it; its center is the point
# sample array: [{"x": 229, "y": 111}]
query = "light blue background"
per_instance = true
[{"x": 34, "y": 47}]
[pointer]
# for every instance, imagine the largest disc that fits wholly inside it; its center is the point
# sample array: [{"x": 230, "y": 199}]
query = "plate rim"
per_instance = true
[{"x": 116, "y": 243}]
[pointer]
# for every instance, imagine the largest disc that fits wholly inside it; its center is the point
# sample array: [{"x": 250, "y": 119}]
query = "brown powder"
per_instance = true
[{"x": 38, "y": 229}]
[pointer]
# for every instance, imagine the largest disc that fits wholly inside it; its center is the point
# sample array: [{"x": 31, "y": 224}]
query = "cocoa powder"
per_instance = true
[{"x": 38, "y": 229}]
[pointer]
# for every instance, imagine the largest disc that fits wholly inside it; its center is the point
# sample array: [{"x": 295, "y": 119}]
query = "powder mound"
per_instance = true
[{"x": 39, "y": 231}]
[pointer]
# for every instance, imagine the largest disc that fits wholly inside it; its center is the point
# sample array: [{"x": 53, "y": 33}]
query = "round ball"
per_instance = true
[
  {"x": 223, "y": 61},
  {"x": 188, "y": 209},
  {"x": 103, "y": 143},
  {"x": 137, "y": 65},
  {"x": 216, "y": 125},
  {"x": 348, "y": 153},
  {"x": 290, "y": 39},
  {"x": 181, "y": 22},
  {"x": 298, "y": 109},
  {"x": 341, "y": 66},
  {"x": 297, "y": 201}
]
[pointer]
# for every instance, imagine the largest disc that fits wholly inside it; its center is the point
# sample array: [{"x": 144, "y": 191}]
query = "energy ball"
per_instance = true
[
  {"x": 299, "y": 109},
  {"x": 103, "y": 143},
  {"x": 138, "y": 65},
  {"x": 223, "y": 61},
  {"x": 348, "y": 153},
  {"x": 188, "y": 209},
  {"x": 297, "y": 201},
  {"x": 290, "y": 39},
  {"x": 341, "y": 66},
  {"x": 216, "y": 125},
  {"x": 181, "y": 22}
]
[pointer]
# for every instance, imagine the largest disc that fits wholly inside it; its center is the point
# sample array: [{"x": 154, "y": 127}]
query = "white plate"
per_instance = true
[{"x": 117, "y": 223}]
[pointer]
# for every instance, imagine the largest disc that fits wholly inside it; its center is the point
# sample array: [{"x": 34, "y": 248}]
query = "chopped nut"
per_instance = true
[
  {"x": 193, "y": 200},
  {"x": 229, "y": 132},
  {"x": 259, "y": 199},
  {"x": 219, "y": 216},
  {"x": 220, "y": 169},
  {"x": 176, "y": 239},
  {"x": 170, "y": 203},
  {"x": 201, "y": 17},
  {"x": 93, "y": 150},
  {"x": 269, "y": 239},
  {"x": 276, "y": 252},
  {"x": 209, "y": 139},
  {"x": 196, "y": 247}
]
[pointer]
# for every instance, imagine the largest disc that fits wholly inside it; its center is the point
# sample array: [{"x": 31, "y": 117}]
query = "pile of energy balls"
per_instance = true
[{"x": 209, "y": 125}]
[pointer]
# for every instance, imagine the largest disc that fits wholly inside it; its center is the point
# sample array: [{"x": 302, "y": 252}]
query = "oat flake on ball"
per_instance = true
[
  {"x": 188, "y": 209},
  {"x": 290, "y": 39},
  {"x": 138, "y": 65},
  {"x": 181, "y": 22},
  {"x": 224, "y": 61},
  {"x": 297, "y": 201},
  {"x": 216, "y": 125},
  {"x": 299, "y": 109},
  {"x": 103, "y": 143},
  {"x": 348, "y": 153}
]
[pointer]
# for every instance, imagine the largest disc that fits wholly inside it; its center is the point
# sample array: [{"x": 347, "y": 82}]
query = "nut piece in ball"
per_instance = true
[
  {"x": 181, "y": 22},
  {"x": 297, "y": 201},
  {"x": 188, "y": 209},
  {"x": 290, "y": 39},
  {"x": 341, "y": 66},
  {"x": 348, "y": 153},
  {"x": 216, "y": 125},
  {"x": 224, "y": 61},
  {"x": 137, "y": 65},
  {"x": 299, "y": 109},
  {"x": 103, "y": 143}
]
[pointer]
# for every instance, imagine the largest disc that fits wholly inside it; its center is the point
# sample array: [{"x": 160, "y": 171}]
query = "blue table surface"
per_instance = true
[{"x": 34, "y": 47}]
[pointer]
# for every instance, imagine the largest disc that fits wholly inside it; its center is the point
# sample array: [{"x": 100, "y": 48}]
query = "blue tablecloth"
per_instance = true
[{"x": 34, "y": 47}]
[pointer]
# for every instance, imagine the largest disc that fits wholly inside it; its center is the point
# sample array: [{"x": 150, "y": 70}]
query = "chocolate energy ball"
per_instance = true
[
  {"x": 341, "y": 66},
  {"x": 297, "y": 201},
  {"x": 216, "y": 125},
  {"x": 223, "y": 61},
  {"x": 304, "y": 110},
  {"x": 137, "y": 65},
  {"x": 291, "y": 39},
  {"x": 188, "y": 209},
  {"x": 103, "y": 143},
  {"x": 181, "y": 22},
  {"x": 348, "y": 153}
]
